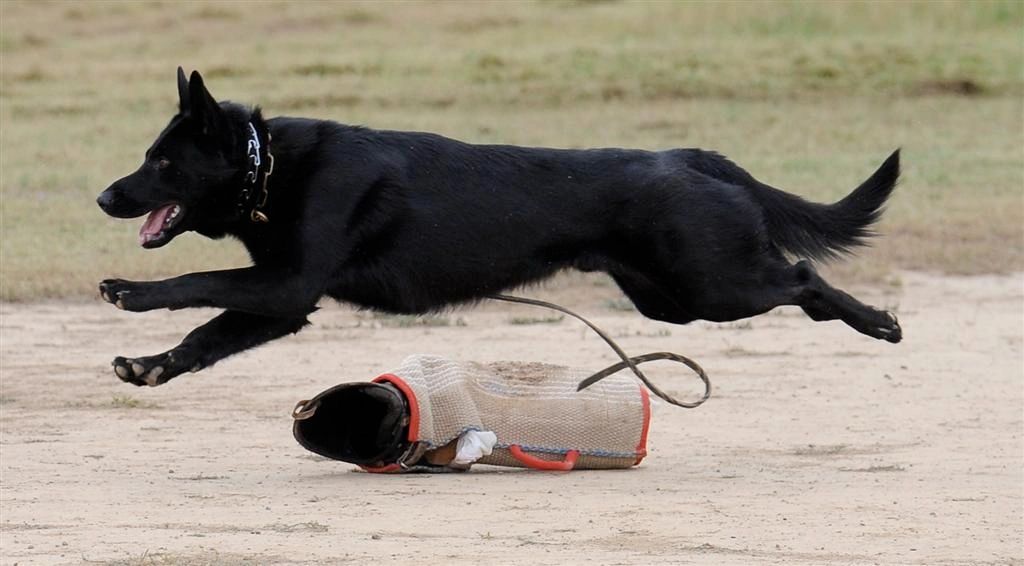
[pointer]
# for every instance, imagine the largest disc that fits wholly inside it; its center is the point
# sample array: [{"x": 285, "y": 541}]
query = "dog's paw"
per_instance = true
[
  {"x": 891, "y": 332},
  {"x": 126, "y": 295},
  {"x": 150, "y": 370}
]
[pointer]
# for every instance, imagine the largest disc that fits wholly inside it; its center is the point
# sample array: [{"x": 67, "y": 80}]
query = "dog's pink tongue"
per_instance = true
[{"x": 154, "y": 223}]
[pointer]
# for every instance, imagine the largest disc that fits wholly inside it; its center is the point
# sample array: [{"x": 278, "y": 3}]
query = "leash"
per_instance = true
[{"x": 627, "y": 362}]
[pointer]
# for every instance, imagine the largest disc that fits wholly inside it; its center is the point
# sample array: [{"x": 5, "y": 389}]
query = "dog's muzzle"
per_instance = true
[{"x": 114, "y": 202}]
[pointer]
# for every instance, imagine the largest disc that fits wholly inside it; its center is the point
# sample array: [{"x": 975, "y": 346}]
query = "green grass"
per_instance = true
[{"x": 808, "y": 96}]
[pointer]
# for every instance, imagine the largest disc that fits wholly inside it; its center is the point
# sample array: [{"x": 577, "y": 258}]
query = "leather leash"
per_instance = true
[{"x": 627, "y": 362}]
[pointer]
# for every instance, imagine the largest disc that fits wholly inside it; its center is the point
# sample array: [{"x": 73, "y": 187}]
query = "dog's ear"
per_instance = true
[
  {"x": 206, "y": 113},
  {"x": 183, "y": 105}
]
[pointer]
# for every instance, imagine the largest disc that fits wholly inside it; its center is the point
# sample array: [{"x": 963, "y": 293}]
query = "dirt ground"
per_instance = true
[{"x": 818, "y": 445}]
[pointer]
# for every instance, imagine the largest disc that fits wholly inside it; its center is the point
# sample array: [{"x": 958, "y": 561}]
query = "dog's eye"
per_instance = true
[{"x": 163, "y": 163}]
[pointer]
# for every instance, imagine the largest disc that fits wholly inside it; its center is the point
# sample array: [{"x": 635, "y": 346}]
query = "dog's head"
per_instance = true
[{"x": 192, "y": 174}]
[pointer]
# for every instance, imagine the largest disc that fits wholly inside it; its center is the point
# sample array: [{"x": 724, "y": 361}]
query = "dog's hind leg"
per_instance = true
[
  {"x": 821, "y": 301},
  {"x": 771, "y": 282},
  {"x": 762, "y": 285},
  {"x": 226, "y": 334}
]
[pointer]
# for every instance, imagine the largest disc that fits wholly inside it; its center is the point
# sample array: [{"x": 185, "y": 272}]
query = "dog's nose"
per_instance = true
[{"x": 105, "y": 199}]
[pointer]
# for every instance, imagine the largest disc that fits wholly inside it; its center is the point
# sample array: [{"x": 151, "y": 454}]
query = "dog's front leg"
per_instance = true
[
  {"x": 255, "y": 290},
  {"x": 228, "y": 333}
]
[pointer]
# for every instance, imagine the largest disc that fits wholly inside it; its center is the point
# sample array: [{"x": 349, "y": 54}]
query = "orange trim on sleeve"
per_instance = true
[
  {"x": 382, "y": 469},
  {"x": 414, "y": 418},
  {"x": 641, "y": 447},
  {"x": 565, "y": 465},
  {"x": 410, "y": 396}
]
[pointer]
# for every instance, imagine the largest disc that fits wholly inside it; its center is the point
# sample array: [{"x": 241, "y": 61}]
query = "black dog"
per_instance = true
[{"x": 409, "y": 222}]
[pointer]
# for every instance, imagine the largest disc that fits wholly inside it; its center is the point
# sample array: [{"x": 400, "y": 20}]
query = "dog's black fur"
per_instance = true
[{"x": 409, "y": 222}]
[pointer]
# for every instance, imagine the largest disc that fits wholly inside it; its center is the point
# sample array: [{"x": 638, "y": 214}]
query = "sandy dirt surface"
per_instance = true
[{"x": 819, "y": 446}]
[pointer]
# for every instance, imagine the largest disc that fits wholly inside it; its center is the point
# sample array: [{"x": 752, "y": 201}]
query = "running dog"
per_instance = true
[{"x": 410, "y": 222}]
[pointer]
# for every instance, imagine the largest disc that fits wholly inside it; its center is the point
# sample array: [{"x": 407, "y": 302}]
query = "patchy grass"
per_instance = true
[
  {"x": 620, "y": 304},
  {"x": 129, "y": 402},
  {"x": 876, "y": 469},
  {"x": 209, "y": 558},
  {"x": 741, "y": 352},
  {"x": 414, "y": 321},
  {"x": 742, "y": 325},
  {"x": 826, "y": 450},
  {"x": 809, "y": 97},
  {"x": 528, "y": 320}
]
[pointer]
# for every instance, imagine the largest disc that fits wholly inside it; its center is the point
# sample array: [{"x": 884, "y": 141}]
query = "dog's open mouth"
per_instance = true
[{"x": 159, "y": 226}]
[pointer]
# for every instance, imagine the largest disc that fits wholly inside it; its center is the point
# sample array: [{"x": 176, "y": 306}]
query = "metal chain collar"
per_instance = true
[{"x": 255, "y": 155}]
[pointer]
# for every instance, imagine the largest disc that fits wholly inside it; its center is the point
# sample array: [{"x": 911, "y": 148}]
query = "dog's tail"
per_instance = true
[{"x": 827, "y": 231}]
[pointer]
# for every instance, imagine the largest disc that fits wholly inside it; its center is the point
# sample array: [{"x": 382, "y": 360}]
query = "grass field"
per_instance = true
[{"x": 809, "y": 97}]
